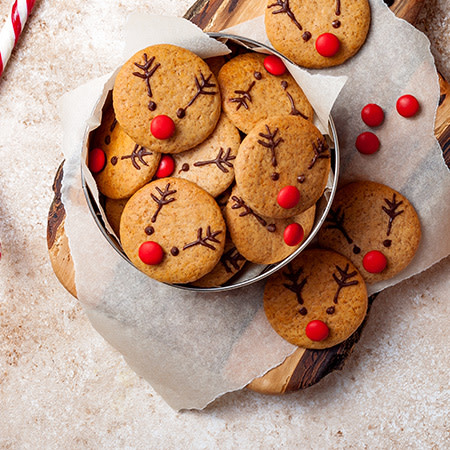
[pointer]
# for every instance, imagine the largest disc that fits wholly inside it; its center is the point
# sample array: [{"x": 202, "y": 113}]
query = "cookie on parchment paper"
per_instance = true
[{"x": 316, "y": 301}]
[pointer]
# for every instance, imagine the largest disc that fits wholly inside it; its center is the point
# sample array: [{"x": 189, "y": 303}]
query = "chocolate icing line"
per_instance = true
[
  {"x": 203, "y": 240},
  {"x": 285, "y": 9},
  {"x": 244, "y": 96},
  {"x": 148, "y": 72},
  {"x": 336, "y": 219},
  {"x": 164, "y": 200},
  {"x": 239, "y": 203},
  {"x": 271, "y": 143},
  {"x": 342, "y": 281},
  {"x": 201, "y": 86},
  {"x": 391, "y": 211},
  {"x": 138, "y": 154},
  {"x": 319, "y": 149},
  {"x": 296, "y": 287},
  {"x": 294, "y": 110},
  {"x": 220, "y": 160},
  {"x": 231, "y": 257}
]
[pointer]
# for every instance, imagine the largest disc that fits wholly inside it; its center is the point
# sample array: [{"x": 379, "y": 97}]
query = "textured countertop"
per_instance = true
[{"x": 63, "y": 386}]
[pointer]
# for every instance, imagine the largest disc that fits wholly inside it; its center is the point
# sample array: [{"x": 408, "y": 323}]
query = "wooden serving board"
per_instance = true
[{"x": 304, "y": 367}]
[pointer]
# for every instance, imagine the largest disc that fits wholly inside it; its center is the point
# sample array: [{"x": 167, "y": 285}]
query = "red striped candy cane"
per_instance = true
[{"x": 9, "y": 35}]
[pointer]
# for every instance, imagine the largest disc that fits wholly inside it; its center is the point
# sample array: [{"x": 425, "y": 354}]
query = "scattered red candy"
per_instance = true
[
  {"x": 367, "y": 143},
  {"x": 327, "y": 44},
  {"x": 293, "y": 234},
  {"x": 374, "y": 261},
  {"x": 317, "y": 330},
  {"x": 166, "y": 167},
  {"x": 151, "y": 253},
  {"x": 372, "y": 115},
  {"x": 274, "y": 65},
  {"x": 97, "y": 160},
  {"x": 288, "y": 197},
  {"x": 162, "y": 127},
  {"x": 407, "y": 105}
]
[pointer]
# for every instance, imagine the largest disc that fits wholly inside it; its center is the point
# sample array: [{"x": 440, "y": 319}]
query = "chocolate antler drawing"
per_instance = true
[
  {"x": 296, "y": 287},
  {"x": 220, "y": 160},
  {"x": 338, "y": 8},
  {"x": 203, "y": 240},
  {"x": 391, "y": 212},
  {"x": 164, "y": 200},
  {"x": 239, "y": 203},
  {"x": 294, "y": 110},
  {"x": 342, "y": 281},
  {"x": 319, "y": 152},
  {"x": 202, "y": 85},
  {"x": 271, "y": 143},
  {"x": 231, "y": 257},
  {"x": 285, "y": 9},
  {"x": 138, "y": 154},
  {"x": 148, "y": 72},
  {"x": 244, "y": 96},
  {"x": 336, "y": 219}
]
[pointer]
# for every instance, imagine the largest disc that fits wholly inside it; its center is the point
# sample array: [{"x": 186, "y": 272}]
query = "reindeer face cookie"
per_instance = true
[
  {"x": 317, "y": 33},
  {"x": 282, "y": 166},
  {"x": 374, "y": 226},
  {"x": 128, "y": 165},
  {"x": 166, "y": 98},
  {"x": 173, "y": 231},
  {"x": 250, "y": 93},
  {"x": 316, "y": 301}
]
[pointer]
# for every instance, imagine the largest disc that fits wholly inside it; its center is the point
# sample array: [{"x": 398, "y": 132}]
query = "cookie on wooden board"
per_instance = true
[
  {"x": 317, "y": 33},
  {"x": 128, "y": 166},
  {"x": 260, "y": 239},
  {"x": 282, "y": 166},
  {"x": 173, "y": 231},
  {"x": 210, "y": 165},
  {"x": 374, "y": 226},
  {"x": 166, "y": 98},
  {"x": 250, "y": 93},
  {"x": 316, "y": 301}
]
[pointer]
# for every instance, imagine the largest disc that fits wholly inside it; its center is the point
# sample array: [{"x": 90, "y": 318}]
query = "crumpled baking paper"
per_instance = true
[{"x": 189, "y": 346}]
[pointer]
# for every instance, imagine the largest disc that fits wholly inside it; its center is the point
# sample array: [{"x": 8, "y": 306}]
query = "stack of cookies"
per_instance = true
[{"x": 205, "y": 165}]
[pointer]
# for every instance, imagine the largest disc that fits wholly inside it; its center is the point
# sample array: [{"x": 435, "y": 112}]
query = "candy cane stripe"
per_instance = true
[
  {"x": 30, "y": 4},
  {"x": 16, "y": 23},
  {"x": 1, "y": 65}
]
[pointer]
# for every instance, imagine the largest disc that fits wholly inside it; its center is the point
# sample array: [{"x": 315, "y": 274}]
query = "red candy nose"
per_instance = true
[
  {"x": 316, "y": 330},
  {"x": 327, "y": 44},
  {"x": 288, "y": 197},
  {"x": 274, "y": 65},
  {"x": 97, "y": 160},
  {"x": 374, "y": 261},
  {"x": 407, "y": 105},
  {"x": 372, "y": 115},
  {"x": 166, "y": 167},
  {"x": 367, "y": 143},
  {"x": 151, "y": 253},
  {"x": 293, "y": 234},
  {"x": 162, "y": 127}
]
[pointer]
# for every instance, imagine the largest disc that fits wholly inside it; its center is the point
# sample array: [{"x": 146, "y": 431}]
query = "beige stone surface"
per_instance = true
[{"x": 62, "y": 386}]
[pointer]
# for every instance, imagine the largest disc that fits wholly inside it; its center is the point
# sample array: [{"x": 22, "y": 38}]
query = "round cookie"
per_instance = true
[
  {"x": 318, "y": 285},
  {"x": 128, "y": 165},
  {"x": 231, "y": 262},
  {"x": 368, "y": 216},
  {"x": 260, "y": 239},
  {"x": 165, "y": 80},
  {"x": 113, "y": 211},
  {"x": 181, "y": 218},
  {"x": 294, "y": 26},
  {"x": 210, "y": 165},
  {"x": 250, "y": 93},
  {"x": 282, "y": 151}
]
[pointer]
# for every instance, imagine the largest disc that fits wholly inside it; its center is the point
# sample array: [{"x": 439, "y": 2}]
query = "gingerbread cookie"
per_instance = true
[
  {"x": 374, "y": 226},
  {"x": 282, "y": 166},
  {"x": 260, "y": 239},
  {"x": 250, "y": 93},
  {"x": 173, "y": 231},
  {"x": 113, "y": 211},
  {"x": 231, "y": 262},
  {"x": 166, "y": 98},
  {"x": 127, "y": 166},
  {"x": 320, "y": 33},
  {"x": 210, "y": 165},
  {"x": 316, "y": 301}
]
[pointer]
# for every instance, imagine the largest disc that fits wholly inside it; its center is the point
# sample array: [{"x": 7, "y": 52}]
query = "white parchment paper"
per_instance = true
[{"x": 194, "y": 347}]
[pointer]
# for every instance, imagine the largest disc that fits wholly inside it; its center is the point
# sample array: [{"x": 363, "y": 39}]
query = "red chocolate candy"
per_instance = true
[
  {"x": 407, "y": 105},
  {"x": 372, "y": 115},
  {"x": 151, "y": 253},
  {"x": 374, "y": 261},
  {"x": 166, "y": 167},
  {"x": 327, "y": 44},
  {"x": 97, "y": 160},
  {"x": 293, "y": 234},
  {"x": 367, "y": 143},
  {"x": 316, "y": 330},
  {"x": 288, "y": 197},
  {"x": 162, "y": 127},
  {"x": 274, "y": 65}
]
